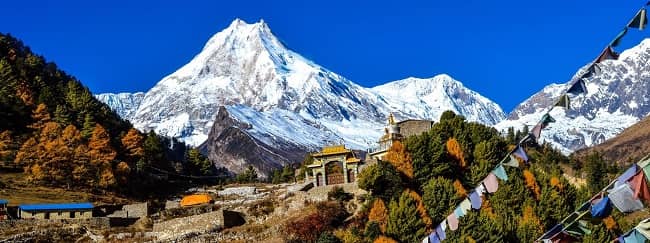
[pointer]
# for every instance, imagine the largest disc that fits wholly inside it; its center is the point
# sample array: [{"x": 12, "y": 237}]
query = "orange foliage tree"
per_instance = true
[
  {"x": 5, "y": 145},
  {"x": 379, "y": 214},
  {"x": 102, "y": 155},
  {"x": 399, "y": 157},
  {"x": 384, "y": 239},
  {"x": 456, "y": 151},
  {"x": 40, "y": 116},
  {"x": 421, "y": 209},
  {"x": 132, "y": 143},
  {"x": 531, "y": 183},
  {"x": 460, "y": 190}
]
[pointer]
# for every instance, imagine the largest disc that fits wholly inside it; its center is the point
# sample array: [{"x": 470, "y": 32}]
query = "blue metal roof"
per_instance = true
[
  {"x": 3, "y": 201},
  {"x": 60, "y": 206}
]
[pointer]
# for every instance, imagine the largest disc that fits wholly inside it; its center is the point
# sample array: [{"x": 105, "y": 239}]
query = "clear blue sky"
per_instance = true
[{"x": 505, "y": 50}]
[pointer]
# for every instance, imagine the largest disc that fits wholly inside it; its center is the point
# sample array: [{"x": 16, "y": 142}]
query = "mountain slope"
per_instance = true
[
  {"x": 617, "y": 97},
  {"x": 630, "y": 145},
  {"x": 124, "y": 104}
]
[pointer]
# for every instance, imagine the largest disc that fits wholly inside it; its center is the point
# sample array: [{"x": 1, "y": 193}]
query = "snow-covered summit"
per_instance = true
[
  {"x": 246, "y": 65},
  {"x": 124, "y": 104},
  {"x": 431, "y": 96}
]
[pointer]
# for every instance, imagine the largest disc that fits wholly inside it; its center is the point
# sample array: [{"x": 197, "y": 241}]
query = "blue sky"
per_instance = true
[{"x": 505, "y": 50}]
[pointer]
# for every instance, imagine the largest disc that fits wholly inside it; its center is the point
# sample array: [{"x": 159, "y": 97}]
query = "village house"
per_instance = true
[
  {"x": 3, "y": 209},
  {"x": 56, "y": 211}
]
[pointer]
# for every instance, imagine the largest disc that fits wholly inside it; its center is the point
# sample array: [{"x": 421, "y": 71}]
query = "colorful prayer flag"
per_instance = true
[
  {"x": 537, "y": 131},
  {"x": 491, "y": 183},
  {"x": 622, "y": 197},
  {"x": 519, "y": 152},
  {"x": 601, "y": 208},
  {"x": 640, "y": 187},
  {"x": 476, "y": 200},
  {"x": 452, "y": 221},
  {"x": 607, "y": 54},
  {"x": 500, "y": 172},
  {"x": 640, "y": 20},
  {"x": 440, "y": 231},
  {"x": 577, "y": 88},
  {"x": 512, "y": 162},
  {"x": 564, "y": 102}
]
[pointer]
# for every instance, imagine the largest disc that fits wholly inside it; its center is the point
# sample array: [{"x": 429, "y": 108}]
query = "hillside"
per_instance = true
[
  {"x": 62, "y": 136},
  {"x": 630, "y": 145}
]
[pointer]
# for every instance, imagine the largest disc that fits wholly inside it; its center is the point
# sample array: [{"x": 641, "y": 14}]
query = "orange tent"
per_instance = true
[{"x": 195, "y": 199}]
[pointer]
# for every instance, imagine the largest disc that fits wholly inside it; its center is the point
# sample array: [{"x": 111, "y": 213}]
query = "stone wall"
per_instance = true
[
  {"x": 414, "y": 127},
  {"x": 207, "y": 222},
  {"x": 137, "y": 210},
  {"x": 25, "y": 225}
]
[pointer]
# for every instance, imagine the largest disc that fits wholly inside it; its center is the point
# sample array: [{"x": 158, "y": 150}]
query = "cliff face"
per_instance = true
[{"x": 230, "y": 145}]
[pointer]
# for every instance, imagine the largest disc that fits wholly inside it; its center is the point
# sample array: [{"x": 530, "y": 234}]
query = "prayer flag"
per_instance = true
[
  {"x": 640, "y": 20},
  {"x": 607, "y": 54},
  {"x": 564, "y": 102},
  {"x": 577, "y": 88},
  {"x": 500, "y": 172},
  {"x": 512, "y": 162},
  {"x": 519, "y": 152}
]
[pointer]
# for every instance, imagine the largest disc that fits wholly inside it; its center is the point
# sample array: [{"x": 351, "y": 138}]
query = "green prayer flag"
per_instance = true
[
  {"x": 578, "y": 229},
  {"x": 564, "y": 102},
  {"x": 546, "y": 119}
]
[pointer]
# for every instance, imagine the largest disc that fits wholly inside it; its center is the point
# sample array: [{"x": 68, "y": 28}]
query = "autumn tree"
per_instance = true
[
  {"x": 379, "y": 213},
  {"x": 132, "y": 143},
  {"x": 40, "y": 116},
  {"x": 400, "y": 158},
  {"x": 5, "y": 145},
  {"x": 456, "y": 151},
  {"x": 102, "y": 156}
]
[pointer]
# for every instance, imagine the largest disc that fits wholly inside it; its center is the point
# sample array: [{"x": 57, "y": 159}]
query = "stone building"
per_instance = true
[
  {"x": 334, "y": 165},
  {"x": 398, "y": 131},
  {"x": 56, "y": 211}
]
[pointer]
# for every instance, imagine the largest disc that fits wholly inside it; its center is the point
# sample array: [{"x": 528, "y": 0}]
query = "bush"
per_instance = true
[
  {"x": 327, "y": 237},
  {"x": 337, "y": 193},
  {"x": 328, "y": 216}
]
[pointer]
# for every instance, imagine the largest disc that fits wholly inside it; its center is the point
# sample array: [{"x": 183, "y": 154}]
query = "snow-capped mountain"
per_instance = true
[
  {"x": 430, "y": 97},
  {"x": 245, "y": 83},
  {"x": 124, "y": 104},
  {"x": 617, "y": 97},
  {"x": 246, "y": 64}
]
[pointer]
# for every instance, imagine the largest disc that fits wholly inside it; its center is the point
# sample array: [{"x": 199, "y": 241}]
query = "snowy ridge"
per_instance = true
[
  {"x": 617, "y": 97},
  {"x": 246, "y": 68},
  {"x": 430, "y": 97},
  {"x": 124, "y": 104}
]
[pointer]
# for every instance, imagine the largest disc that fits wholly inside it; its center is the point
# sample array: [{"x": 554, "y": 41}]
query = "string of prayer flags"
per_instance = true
[
  {"x": 564, "y": 102},
  {"x": 543, "y": 123},
  {"x": 577, "y": 88},
  {"x": 640, "y": 20},
  {"x": 519, "y": 152},
  {"x": 607, "y": 54},
  {"x": 618, "y": 38}
]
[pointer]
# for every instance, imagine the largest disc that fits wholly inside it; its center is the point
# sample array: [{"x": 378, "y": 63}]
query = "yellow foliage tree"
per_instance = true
[
  {"x": 40, "y": 115},
  {"x": 531, "y": 183},
  {"x": 530, "y": 218},
  {"x": 27, "y": 153},
  {"x": 421, "y": 209},
  {"x": 132, "y": 143},
  {"x": 456, "y": 151},
  {"x": 399, "y": 157},
  {"x": 100, "y": 150},
  {"x": 5, "y": 145},
  {"x": 610, "y": 223},
  {"x": 460, "y": 190},
  {"x": 555, "y": 182},
  {"x": 384, "y": 239},
  {"x": 379, "y": 214},
  {"x": 487, "y": 209},
  {"x": 122, "y": 171},
  {"x": 107, "y": 178}
]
